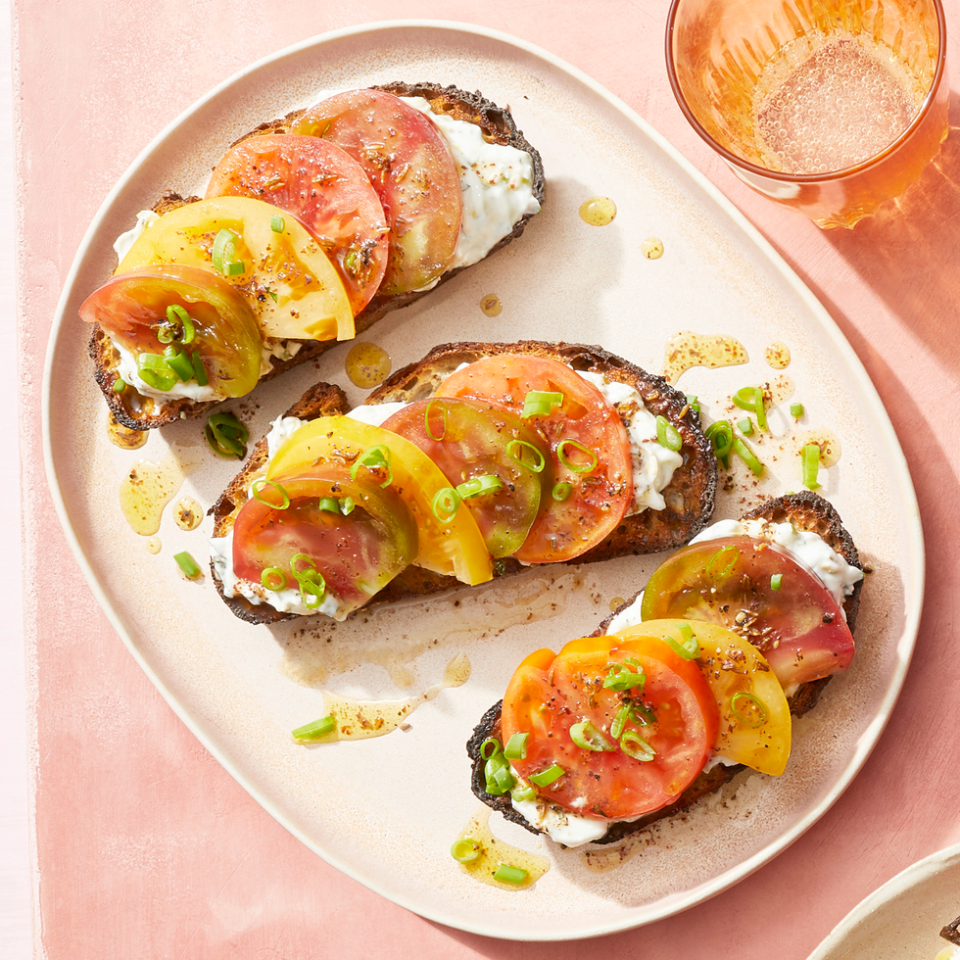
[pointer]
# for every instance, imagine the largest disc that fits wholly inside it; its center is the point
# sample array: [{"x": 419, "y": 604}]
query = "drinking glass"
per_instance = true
[{"x": 831, "y": 107}]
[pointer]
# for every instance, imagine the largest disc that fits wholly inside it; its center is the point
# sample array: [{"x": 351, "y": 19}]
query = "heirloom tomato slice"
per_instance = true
[
  {"x": 467, "y": 440},
  {"x": 132, "y": 308},
  {"x": 285, "y": 277},
  {"x": 411, "y": 168},
  {"x": 587, "y": 442},
  {"x": 326, "y": 189},
  {"x": 448, "y": 544},
  {"x": 295, "y": 523},
  {"x": 649, "y": 739},
  {"x": 755, "y": 725},
  {"x": 758, "y": 590}
]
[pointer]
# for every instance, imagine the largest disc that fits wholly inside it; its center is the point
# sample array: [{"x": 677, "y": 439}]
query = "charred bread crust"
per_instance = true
[
  {"x": 806, "y": 511},
  {"x": 139, "y": 412}
]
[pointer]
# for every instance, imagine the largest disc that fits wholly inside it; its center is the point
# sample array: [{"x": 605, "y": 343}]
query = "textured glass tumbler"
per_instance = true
[{"x": 831, "y": 107}]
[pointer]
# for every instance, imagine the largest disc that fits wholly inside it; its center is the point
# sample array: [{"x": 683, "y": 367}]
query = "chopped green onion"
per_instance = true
[
  {"x": 515, "y": 451},
  {"x": 539, "y": 403},
  {"x": 466, "y": 850},
  {"x": 720, "y": 435},
  {"x": 313, "y": 587},
  {"x": 620, "y": 721},
  {"x": 276, "y": 224},
  {"x": 505, "y": 873},
  {"x": 179, "y": 363},
  {"x": 235, "y": 268},
  {"x": 745, "y": 426},
  {"x": 642, "y": 714},
  {"x": 562, "y": 491},
  {"x": 729, "y": 554},
  {"x": 811, "y": 466},
  {"x": 199, "y": 370},
  {"x": 498, "y": 779},
  {"x": 620, "y": 678},
  {"x": 693, "y": 403},
  {"x": 317, "y": 729},
  {"x": 347, "y": 505},
  {"x": 776, "y": 581},
  {"x": 516, "y": 748},
  {"x": 751, "y": 398},
  {"x": 329, "y": 505},
  {"x": 490, "y": 748},
  {"x": 523, "y": 793},
  {"x": 273, "y": 295},
  {"x": 477, "y": 486},
  {"x": 258, "y": 485},
  {"x": 155, "y": 371},
  {"x": 273, "y": 578},
  {"x": 687, "y": 646},
  {"x": 587, "y": 737},
  {"x": 187, "y": 564},
  {"x": 668, "y": 435},
  {"x": 446, "y": 503},
  {"x": 224, "y": 250},
  {"x": 443, "y": 419},
  {"x": 633, "y": 745},
  {"x": 373, "y": 458},
  {"x": 119, "y": 386},
  {"x": 177, "y": 317},
  {"x": 744, "y": 452},
  {"x": 757, "y": 709},
  {"x": 545, "y": 777},
  {"x": 226, "y": 434},
  {"x": 587, "y": 467},
  {"x": 796, "y": 410}
]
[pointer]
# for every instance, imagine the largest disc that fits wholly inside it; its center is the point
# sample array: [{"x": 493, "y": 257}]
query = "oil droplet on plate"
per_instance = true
[
  {"x": 652, "y": 248},
  {"x": 154, "y": 545},
  {"x": 616, "y": 602},
  {"x": 124, "y": 437},
  {"x": 367, "y": 365},
  {"x": 598, "y": 211},
  {"x": 777, "y": 355},
  {"x": 188, "y": 514},
  {"x": 146, "y": 490},
  {"x": 830, "y": 450},
  {"x": 490, "y": 304},
  {"x": 687, "y": 349},
  {"x": 493, "y": 852}
]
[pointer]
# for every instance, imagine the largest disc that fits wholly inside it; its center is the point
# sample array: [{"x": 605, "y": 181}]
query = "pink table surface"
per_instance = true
[{"x": 143, "y": 845}]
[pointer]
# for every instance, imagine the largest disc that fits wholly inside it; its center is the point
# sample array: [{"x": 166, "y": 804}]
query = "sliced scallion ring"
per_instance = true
[
  {"x": 620, "y": 678},
  {"x": 187, "y": 564},
  {"x": 516, "y": 451},
  {"x": 776, "y": 581},
  {"x": 576, "y": 466},
  {"x": 119, "y": 386},
  {"x": 317, "y": 729},
  {"x": 745, "y": 426},
  {"x": 633, "y": 745},
  {"x": 756, "y": 710},
  {"x": 199, "y": 370},
  {"x": 478, "y": 486},
  {"x": 490, "y": 747},
  {"x": 329, "y": 505},
  {"x": 180, "y": 363},
  {"x": 273, "y": 578},
  {"x": 276, "y": 224},
  {"x": 226, "y": 434},
  {"x": 224, "y": 250},
  {"x": 374, "y": 458},
  {"x": 179, "y": 319},
  {"x": 313, "y": 586},
  {"x": 540, "y": 403},
  {"x": 506, "y": 873},
  {"x": 811, "y": 466},
  {"x": 587, "y": 737},
  {"x": 744, "y": 452},
  {"x": 688, "y": 646},
  {"x": 720, "y": 435},
  {"x": 562, "y": 492},
  {"x": 796, "y": 410},
  {"x": 550, "y": 775},
  {"x": 446, "y": 503},
  {"x": 347, "y": 505},
  {"x": 428, "y": 412},
  {"x": 523, "y": 793},
  {"x": 620, "y": 721},
  {"x": 258, "y": 485},
  {"x": 751, "y": 399},
  {"x": 721, "y": 564},
  {"x": 516, "y": 748},
  {"x": 498, "y": 779},
  {"x": 466, "y": 850},
  {"x": 668, "y": 435}
]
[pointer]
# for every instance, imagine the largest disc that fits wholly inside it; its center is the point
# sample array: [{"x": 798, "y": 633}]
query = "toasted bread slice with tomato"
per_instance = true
[
  {"x": 806, "y": 511},
  {"x": 140, "y": 412},
  {"x": 689, "y": 496}
]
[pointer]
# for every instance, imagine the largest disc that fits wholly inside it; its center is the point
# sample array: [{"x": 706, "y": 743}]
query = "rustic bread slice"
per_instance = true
[
  {"x": 139, "y": 412},
  {"x": 806, "y": 511},
  {"x": 689, "y": 497}
]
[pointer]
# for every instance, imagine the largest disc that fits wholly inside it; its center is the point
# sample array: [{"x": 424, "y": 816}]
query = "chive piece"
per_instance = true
[
  {"x": 446, "y": 503},
  {"x": 466, "y": 850},
  {"x": 715, "y": 568},
  {"x": 374, "y": 458},
  {"x": 796, "y": 410},
  {"x": 316, "y": 730},
  {"x": 523, "y": 793},
  {"x": 181, "y": 365},
  {"x": 498, "y": 779},
  {"x": 516, "y": 450},
  {"x": 745, "y": 426},
  {"x": 273, "y": 578},
  {"x": 329, "y": 505},
  {"x": 693, "y": 403},
  {"x": 757, "y": 709},
  {"x": 516, "y": 748},
  {"x": 490, "y": 748},
  {"x": 587, "y": 737},
  {"x": 179, "y": 326},
  {"x": 545, "y": 777},
  {"x": 620, "y": 721},
  {"x": 668, "y": 435},
  {"x": 235, "y": 268},
  {"x": 347, "y": 506},
  {"x": 744, "y": 452},
  {"x": 687, "y": 646},
  {"x": 258, "y": 485},
  {"x": 540, "y": 403},
  {"x": 811, "y": 466},
  {"x": 224, "y": 250},
  {"x": 776, "y": 581},
  {"x": 199, "y": 370},
  {"x": 313, "y": 586},
  {"x": 477, "y": 486},
  {"x": 154, "y": 371},
  {"x": 587, "y": 467},
  {"x": 443, "y": 419},
  {"x": 506, "y": 873},
  {"x": 720, "y": 435},
  {"x": 276, "y": 224},
  {"x": 187, "y": 564},
  {"x": 633, "y": 745},
  {"x": 561, "y": 492},
  {"x": 751, "y": 398},
  {"x": 119, "y": 386},
  {"x": 620, "y": 678}
]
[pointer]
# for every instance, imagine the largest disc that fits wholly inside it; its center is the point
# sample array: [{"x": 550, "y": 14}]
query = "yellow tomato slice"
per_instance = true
[
  {"x": 287, "y": 279},
  {"x": 755, "y": 725},
  {"x": 453, "y": 548}
]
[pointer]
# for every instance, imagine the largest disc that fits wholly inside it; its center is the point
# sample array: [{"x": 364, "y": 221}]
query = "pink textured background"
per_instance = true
[{"x": 144, "y": 846}]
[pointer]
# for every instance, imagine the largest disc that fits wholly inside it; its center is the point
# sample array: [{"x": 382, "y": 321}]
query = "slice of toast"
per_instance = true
[
  {"x": 140, "y": 412},
  {"x": 689, "y": 496},
  {"x": 806, "y": 511}
]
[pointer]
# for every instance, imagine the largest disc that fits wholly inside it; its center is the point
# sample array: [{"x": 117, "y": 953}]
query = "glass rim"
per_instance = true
[{"x": 806, "y": 178}]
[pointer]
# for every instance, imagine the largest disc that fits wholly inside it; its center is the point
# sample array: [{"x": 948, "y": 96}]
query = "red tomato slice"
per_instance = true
[
  {"x": 798, "y": 628},
  {"x": 323, "y": 187},
  {"x": 468, "y": 439},
  {"x": 357, "y": 553},
  {"x": 132, "y": 308},
  {"x": 588, "y": 448},
  {"x": 412, "y": 170},
  {"x": 545, "y": 699}
]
